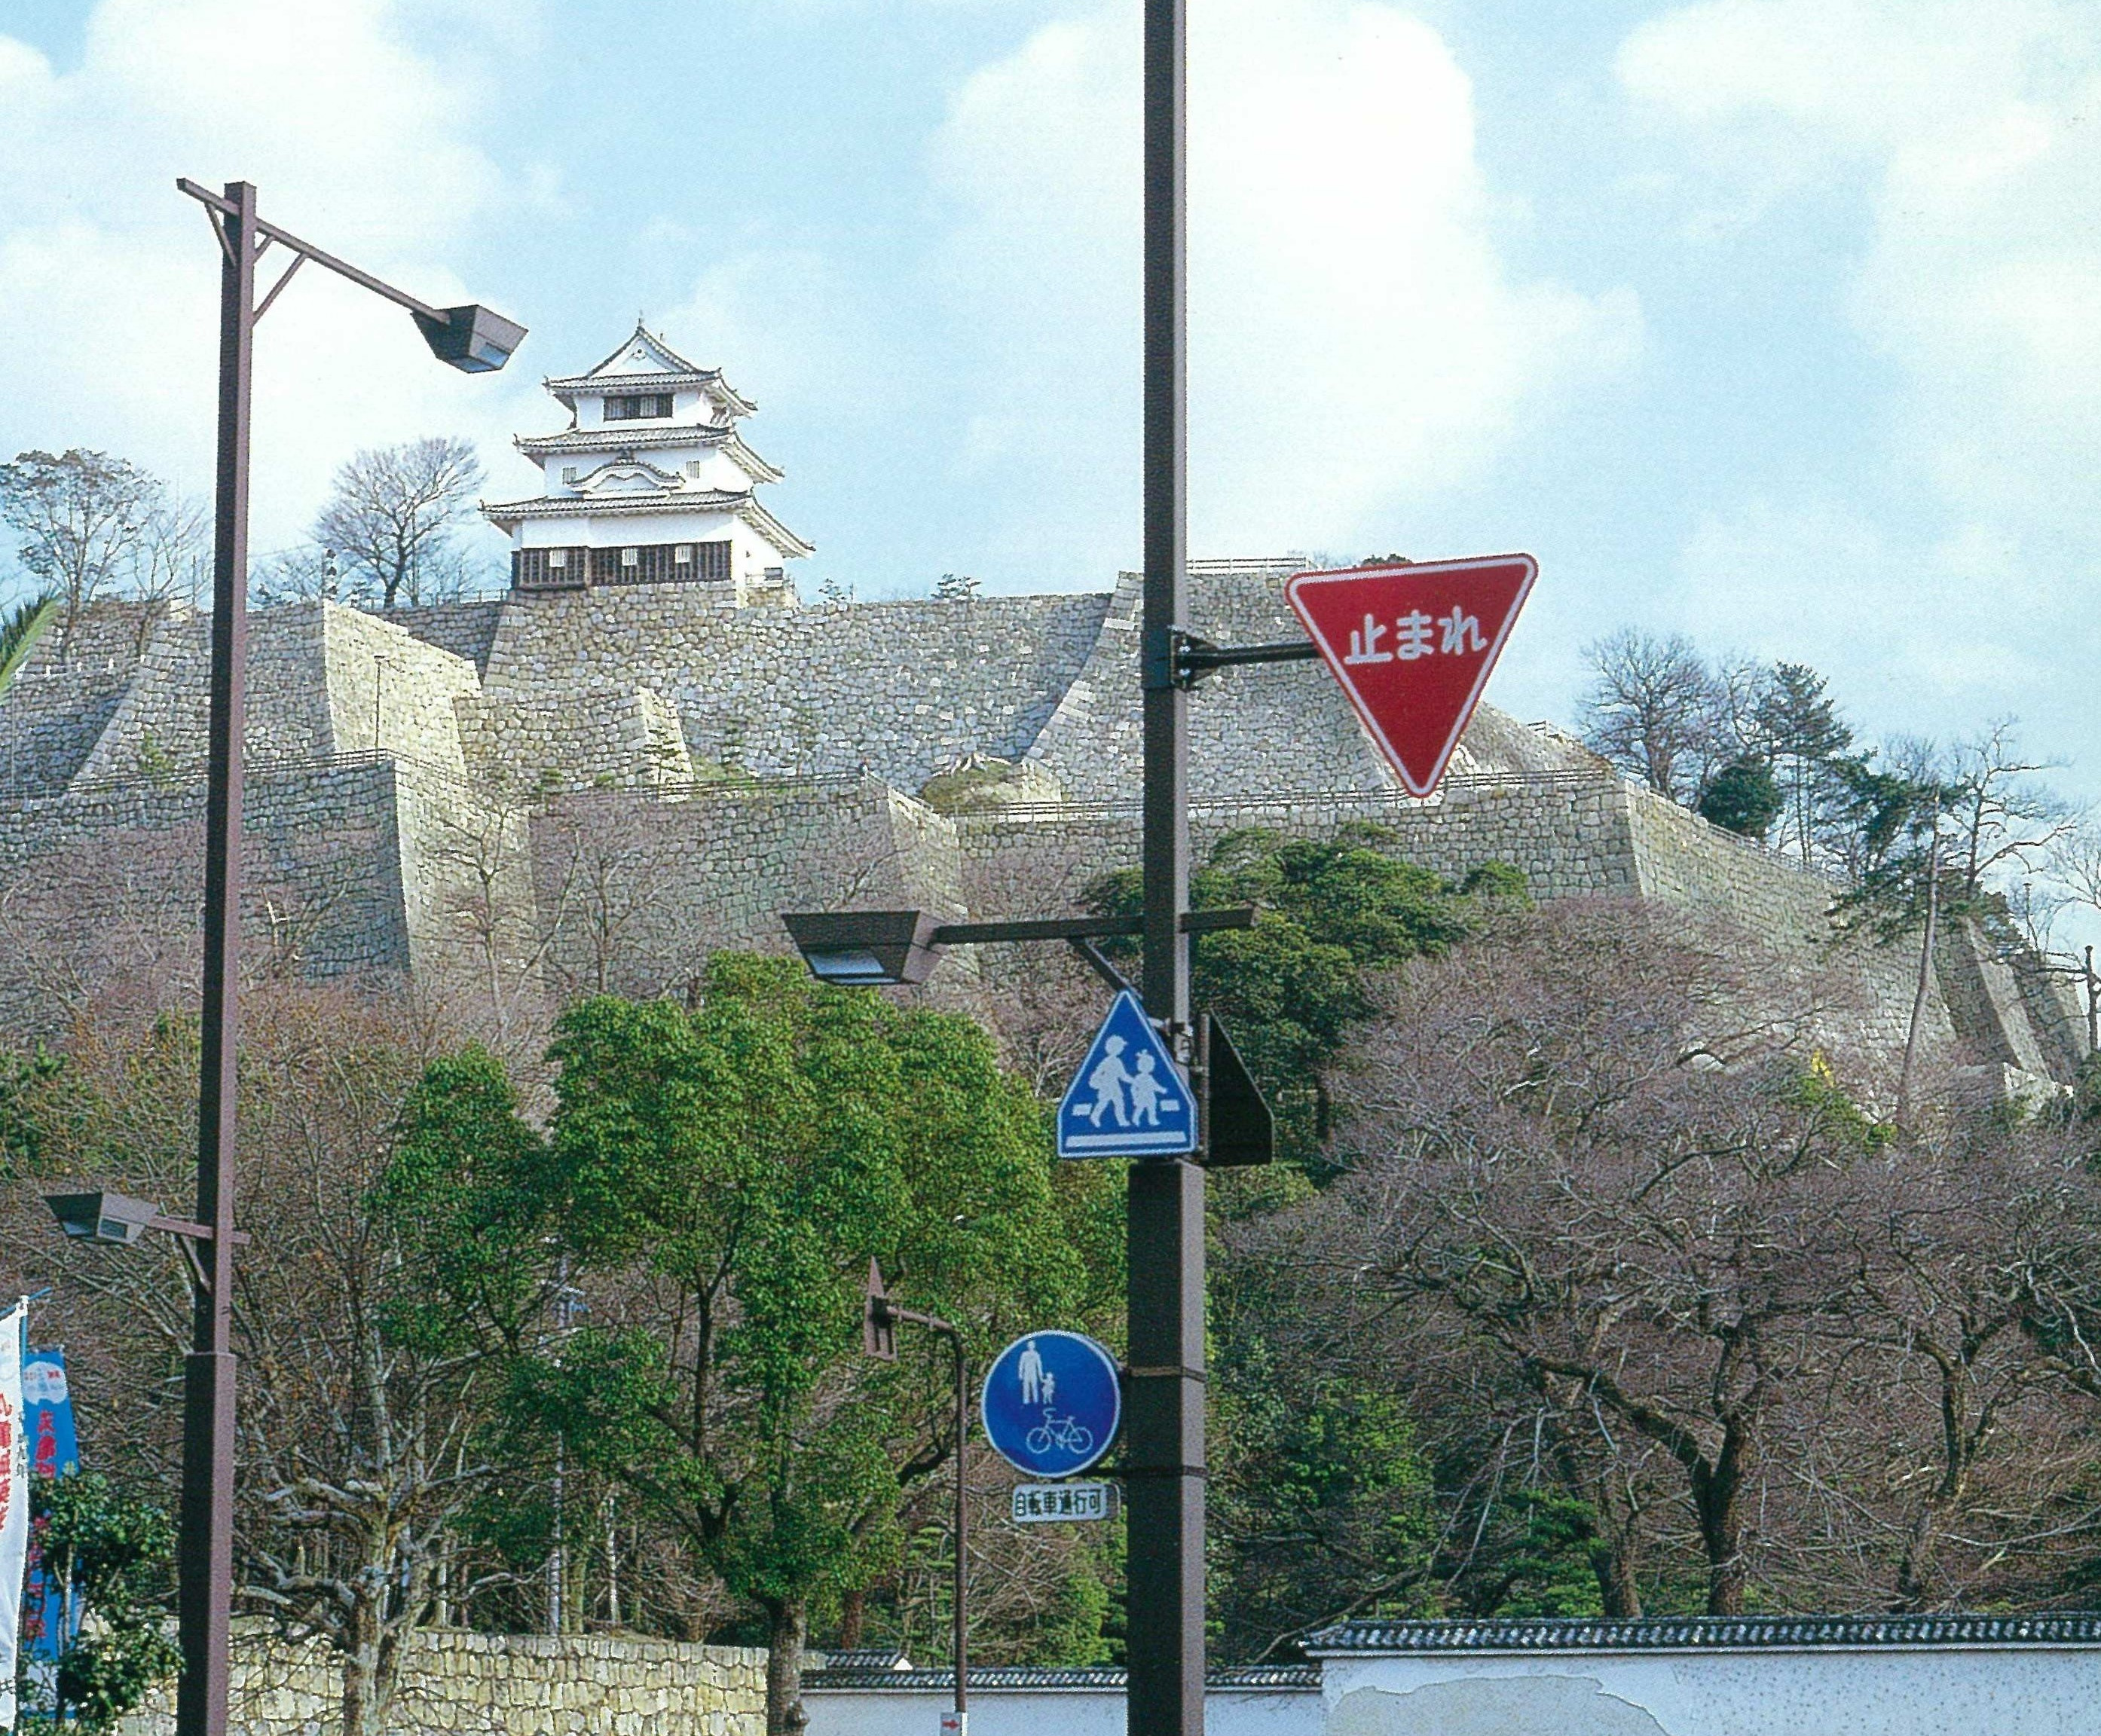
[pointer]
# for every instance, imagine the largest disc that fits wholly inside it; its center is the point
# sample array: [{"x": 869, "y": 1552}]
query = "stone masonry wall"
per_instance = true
[
  {"x": 901, "y": 689},
  {"x": 459, "y": 1684},
  {"x": 600, "y": 786},
  {"x": 1572, "y": 834},
  {"x": 1568, "y": 834},
  {"x": 652, "y": 884},
  {"x": 61, "y": 696},
  {"x": 389, "y": 692},
  {"x": 117, "y": 870}
]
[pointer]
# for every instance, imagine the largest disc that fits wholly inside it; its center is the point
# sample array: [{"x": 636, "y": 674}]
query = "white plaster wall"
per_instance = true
[
  {"x": 1054, "y": 1712},
  {"x": 1892, "y": 1691},
  {"x": 717, "y": 470},
  {"x": 626, "y": 532}
]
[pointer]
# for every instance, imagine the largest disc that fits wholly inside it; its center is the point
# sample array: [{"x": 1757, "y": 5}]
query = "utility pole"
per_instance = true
[{"x": 1165, "y": 1460}]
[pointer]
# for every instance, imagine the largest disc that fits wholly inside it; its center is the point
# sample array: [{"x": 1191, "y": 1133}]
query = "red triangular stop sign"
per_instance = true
[{"x": 1412, "y": 645}]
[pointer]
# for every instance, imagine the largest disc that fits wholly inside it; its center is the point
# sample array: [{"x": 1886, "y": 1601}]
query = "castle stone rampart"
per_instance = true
[
  {"x": 61, "y": 696},
  {"x": 901, "y": 689},
  {"x": 514, "y": 801},
  {"x": 652, "y": 885}
]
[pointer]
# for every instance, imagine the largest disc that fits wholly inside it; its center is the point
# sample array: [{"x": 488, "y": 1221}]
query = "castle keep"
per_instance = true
[{"x": 649, "y": 746}]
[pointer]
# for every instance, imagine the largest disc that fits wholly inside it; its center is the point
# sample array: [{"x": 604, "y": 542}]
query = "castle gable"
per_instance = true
[{"x": 644, "y": 353}]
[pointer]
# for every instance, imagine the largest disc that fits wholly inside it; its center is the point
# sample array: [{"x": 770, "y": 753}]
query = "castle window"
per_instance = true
[
  {"x": 713, "y": 562},
  {"x": 631, "y": 557},
  {"x": 568, "y": 473},
  {"x": 637, "y": 408},
  {"x": 693, "y": 467},
  {"x": 683, "y": 555},
  {"x": 551, "y": 569}
]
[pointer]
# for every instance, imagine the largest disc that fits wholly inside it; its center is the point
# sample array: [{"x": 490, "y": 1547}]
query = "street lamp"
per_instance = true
[
  {"x": 885, "y": 949},
  {"x": 476, "y": 340},
  {"x": 878, "y": 1339}
]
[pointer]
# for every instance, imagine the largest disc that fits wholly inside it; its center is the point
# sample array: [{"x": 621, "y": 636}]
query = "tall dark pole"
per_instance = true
[
  {"x": 206, "y": 1554},
  {"x": 962, "y": 1527},
  {"x": 1166, "y": 1219}
]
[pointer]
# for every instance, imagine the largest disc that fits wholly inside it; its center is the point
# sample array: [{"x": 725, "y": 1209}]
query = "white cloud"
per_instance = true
[
  {"x": 1357, "y": 342},
  {"x": 1976, "y": 132},
  {"x": 357, "y": 138}
]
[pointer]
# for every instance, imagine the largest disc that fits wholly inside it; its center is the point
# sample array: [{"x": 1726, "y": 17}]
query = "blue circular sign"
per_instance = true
[{"x": 1052, "y": 1403}]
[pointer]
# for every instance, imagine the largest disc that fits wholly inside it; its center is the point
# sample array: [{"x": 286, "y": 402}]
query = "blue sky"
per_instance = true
[{"x": 1774, "y": 321}]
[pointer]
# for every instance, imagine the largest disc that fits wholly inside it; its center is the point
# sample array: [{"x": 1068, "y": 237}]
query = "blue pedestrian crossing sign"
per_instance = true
[
  {"x": 1052, "y": 1403},
  {"x": 1128, "y": 1099}
]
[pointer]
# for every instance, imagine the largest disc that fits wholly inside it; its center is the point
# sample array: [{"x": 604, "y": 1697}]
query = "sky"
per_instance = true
[{"x": 1774, "y": 322}]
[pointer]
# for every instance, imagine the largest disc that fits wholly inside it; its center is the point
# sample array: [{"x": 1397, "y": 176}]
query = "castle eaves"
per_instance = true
[
  {"x": 507, "y": 515},
  {"x": 650, "y": 439}
]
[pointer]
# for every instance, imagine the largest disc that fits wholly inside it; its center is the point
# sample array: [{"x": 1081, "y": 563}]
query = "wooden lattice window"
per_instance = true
[{"x": 546, "y": 569}]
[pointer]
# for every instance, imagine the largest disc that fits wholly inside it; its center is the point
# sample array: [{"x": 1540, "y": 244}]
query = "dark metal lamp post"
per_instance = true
[{"x": 476, "y": 340}]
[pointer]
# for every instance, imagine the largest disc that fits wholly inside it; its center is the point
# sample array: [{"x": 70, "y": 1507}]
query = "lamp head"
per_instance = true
[
  {"x": 102, "y": 1217},
  {"x": 866, "y": 948},
  {"x": 471, "y": 338},
  {"x": 878, "y": 1326}
]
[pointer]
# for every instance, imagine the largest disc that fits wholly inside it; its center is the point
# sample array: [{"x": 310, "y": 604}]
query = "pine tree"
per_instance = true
[{"x": 1807, "y": 737}]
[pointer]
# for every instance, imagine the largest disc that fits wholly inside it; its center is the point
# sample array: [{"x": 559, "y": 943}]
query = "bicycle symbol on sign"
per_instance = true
[{"x": 1062, "y": 1433}]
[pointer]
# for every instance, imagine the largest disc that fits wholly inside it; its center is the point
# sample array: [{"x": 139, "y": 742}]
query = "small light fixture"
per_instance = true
[
  {"x": 878, "y": 1322},
  {"x": 866, "y": 948},
  {"x": 471, "y": 338},
  {"x": 102, "y": 1217}
]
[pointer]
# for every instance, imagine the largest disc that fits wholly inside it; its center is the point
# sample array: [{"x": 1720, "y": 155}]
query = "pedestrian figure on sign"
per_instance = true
[
  {"x": 1030, "y": 1368},
  {"x": 1149, "y": 1094},
  {"x": 1107, "y": 1080},
  {"x": 1049, "y": 1390}
]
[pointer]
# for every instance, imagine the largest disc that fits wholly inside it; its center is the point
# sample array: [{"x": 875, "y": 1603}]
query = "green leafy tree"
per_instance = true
[
  {"x": 118, "y": 1552},
  {"x": 1322, "y": 1507},
  {"x": 1328, "y": 912},
  {"x": 1800, "y": 722},
  {"x": 724, "y": 1176},
  {"x": 1743, "y": 798}
]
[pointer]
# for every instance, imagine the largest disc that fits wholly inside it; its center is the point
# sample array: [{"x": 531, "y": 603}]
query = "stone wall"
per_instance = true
[
  {"x": 122, "y": 859},
  {"x": 460, "y": 1684},
  {"x": 902, "y": 689},
  {"x": 600, "y": 785},
  {"x": 465, "y": 629},
  {"x": 651, "y": 883},
  {"x": 63, "y": 693}
]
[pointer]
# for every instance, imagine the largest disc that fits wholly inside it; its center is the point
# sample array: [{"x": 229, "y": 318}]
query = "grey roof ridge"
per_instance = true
[
  {"x": 1706, "y": 1634},
  {"x": 1256, "y": 1678},
  {"x": 723, "y": 434}
]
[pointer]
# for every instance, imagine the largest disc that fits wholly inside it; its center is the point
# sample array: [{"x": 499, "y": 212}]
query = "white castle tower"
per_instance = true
[{"x": 649, "y": 484}]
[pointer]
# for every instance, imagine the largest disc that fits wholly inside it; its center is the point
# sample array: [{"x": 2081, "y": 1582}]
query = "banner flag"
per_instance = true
[
  {"x": 50, "y": 1618},
  {"x": 14, "y": 1501}
]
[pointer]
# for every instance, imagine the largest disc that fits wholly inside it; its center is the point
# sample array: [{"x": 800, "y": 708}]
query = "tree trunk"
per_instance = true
[
  {"x": 853, "y": 1613},
  {"x": 364, "y": 1694},
  {"x": 1613, "y": 1562},
  {"x": 1721, "y": 1532},
  {"x": 787, "y": 1627}
]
